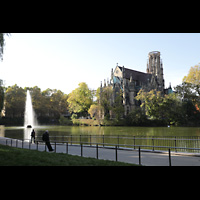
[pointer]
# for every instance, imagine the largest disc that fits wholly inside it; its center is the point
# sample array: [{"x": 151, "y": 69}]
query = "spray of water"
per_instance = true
[{"x": 29, "y": 115}]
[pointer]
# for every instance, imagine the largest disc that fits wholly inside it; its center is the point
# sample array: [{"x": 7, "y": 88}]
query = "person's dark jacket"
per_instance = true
[{"x": 45, "y": 137}]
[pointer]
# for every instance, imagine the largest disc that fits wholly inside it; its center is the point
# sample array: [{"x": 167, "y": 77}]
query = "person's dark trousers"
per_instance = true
[
  {"x": 33, "y": 139},
  {"x": 49, "y": 146}
]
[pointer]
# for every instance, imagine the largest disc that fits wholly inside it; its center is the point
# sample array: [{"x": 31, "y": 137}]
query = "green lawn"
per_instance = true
[{"x": 11, "y": 156}]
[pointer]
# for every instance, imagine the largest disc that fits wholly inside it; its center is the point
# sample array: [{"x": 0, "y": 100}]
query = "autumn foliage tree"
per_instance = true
[
  {"x": 165, "y": 108},
  {"x": 80, "y": 100},
  {"x": 193, "y": 76},
  {"x": 48, "y": 105},
  {"x": 193, "y": 80}
]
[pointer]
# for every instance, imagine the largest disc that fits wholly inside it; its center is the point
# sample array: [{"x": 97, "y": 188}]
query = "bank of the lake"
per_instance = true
[
  {"x": 123, "y": 122},
  {"x": 11, "y": 156}
]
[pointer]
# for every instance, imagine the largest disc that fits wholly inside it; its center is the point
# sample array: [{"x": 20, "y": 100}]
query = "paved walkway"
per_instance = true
[{"x": 147, "y": 158}]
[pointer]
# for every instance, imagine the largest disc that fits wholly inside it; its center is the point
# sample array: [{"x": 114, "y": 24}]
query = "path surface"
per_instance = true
[{"x": 147, "y": 158}]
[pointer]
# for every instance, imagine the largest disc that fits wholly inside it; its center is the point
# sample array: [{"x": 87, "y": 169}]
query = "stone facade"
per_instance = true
[{"x": 129, "y": 82}]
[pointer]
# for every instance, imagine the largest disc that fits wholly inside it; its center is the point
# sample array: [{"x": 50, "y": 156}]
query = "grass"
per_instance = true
[
  {"x": 85, "y": 122},
  {"x": 11, "y": 156}
]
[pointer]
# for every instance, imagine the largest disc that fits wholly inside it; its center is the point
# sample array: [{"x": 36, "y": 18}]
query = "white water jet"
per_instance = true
[{"x": 29, "y": 115}]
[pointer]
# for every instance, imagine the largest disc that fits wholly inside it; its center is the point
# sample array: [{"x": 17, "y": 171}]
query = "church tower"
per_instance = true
[{"x": 155, "y": 67}]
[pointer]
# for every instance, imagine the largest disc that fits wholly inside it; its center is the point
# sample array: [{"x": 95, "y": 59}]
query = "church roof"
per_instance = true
[{"x": 136, "y": 75}]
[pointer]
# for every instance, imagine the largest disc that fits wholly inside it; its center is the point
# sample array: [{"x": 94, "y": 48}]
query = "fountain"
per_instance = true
[
  {"x": 29, "y": 115},
  {"x": 30, "y": 119}
]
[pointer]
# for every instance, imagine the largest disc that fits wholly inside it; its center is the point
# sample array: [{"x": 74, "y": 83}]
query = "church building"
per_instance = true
[{"x": 130, "y": 81}]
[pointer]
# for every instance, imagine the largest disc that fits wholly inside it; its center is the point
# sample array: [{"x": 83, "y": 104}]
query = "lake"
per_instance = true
[
  {"x": 20, "y": 133},
  {"x": 177, "y": 135}
]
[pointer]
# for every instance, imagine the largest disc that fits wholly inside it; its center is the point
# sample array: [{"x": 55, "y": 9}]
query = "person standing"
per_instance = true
[
  {"x": 45, "y": 138},
  {"x": 33, "y": 136}
]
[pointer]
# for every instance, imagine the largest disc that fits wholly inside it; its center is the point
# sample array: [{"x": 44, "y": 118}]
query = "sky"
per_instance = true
[{"x": 62, "y": 60}]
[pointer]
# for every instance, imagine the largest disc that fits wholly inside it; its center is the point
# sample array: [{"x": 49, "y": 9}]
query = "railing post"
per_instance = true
[
  {"x": 55, "y": 147},
  {"x": 116, "y": 152},
  {"x": 175, "y": 143},
  {"x": 118, "y": 141},
  {"x": 153, "y": 142},
  {"x": 170, "y": 164},
  {"x": 139, "y": 157},
  {"x": 97, "y": 151},
  {"x": 67, "y": 147},
  {"x": 81, "y": 150}
]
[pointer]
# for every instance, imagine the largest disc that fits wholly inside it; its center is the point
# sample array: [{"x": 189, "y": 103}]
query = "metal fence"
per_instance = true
[
  {"x": 116, "y": 143},
  {"x": 175, "y": 143},
  {"x": 27, "y": 144}
]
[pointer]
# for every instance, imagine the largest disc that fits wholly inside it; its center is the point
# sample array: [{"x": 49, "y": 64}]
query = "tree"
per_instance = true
[
  {"x": 189, "y": 95},
  {"x": 172, "y": 108},
  {"x": 80, "y": 99},
  {"x": 46, "y": 94},
  {"x": 58, "y": 101},
  {"x": 105, "y": 100},
  {"x": 15, "y": 101},
  {"x": 49, "y": 103},
  {"x": 117, "y": 107},
  {"x": 1, "y": 96},
  {"x": 37, "y": 101},
  {"x": 158, "y": 107},
  {"x": 1, "y": 99},
  {"x": 193, "y": 76},
  {"x": 193, "y": 81},
  {"x": 2, "y": 43},
  {"x": 94, "y": 111},
  {"x": 188, "y": 91},
  {"x": 151, "y": 103},
  {"x": 137, "y": 117}
]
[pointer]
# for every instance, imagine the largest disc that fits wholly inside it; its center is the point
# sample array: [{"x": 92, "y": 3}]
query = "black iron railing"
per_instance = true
[
  {"x": 134, "y": 143},
  {"x": 176, "y": 143}
]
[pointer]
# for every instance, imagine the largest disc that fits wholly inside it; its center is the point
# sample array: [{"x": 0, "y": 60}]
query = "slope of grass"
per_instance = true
[{"x": 11, "y": 156}]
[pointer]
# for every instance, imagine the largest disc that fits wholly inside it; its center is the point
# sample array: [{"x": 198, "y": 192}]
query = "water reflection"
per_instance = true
[
  {"x": 27, "y": 134},
  {"x": 2, "y": 131}
]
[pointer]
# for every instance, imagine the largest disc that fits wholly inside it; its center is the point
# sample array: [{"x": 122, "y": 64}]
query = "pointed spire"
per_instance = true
[
  {"x": 170, "y": 86},
  {"x": 104, "y": 82},
  {"x": 112, "y": 74},
  {"x": 131, "y": 78},
  {"x": 147, "y": 67},
  {"x": 123, "y": 72},
  {"x": 107, "y": 81}
]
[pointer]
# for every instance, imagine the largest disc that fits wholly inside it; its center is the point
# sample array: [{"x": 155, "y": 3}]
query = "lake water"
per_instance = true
[
  {"x": 19, "y": 132},
  {"x": 173, "y": 136}
]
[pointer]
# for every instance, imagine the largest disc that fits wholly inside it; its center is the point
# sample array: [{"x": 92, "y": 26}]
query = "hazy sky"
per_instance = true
[{"x": 61, "y": 61}]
